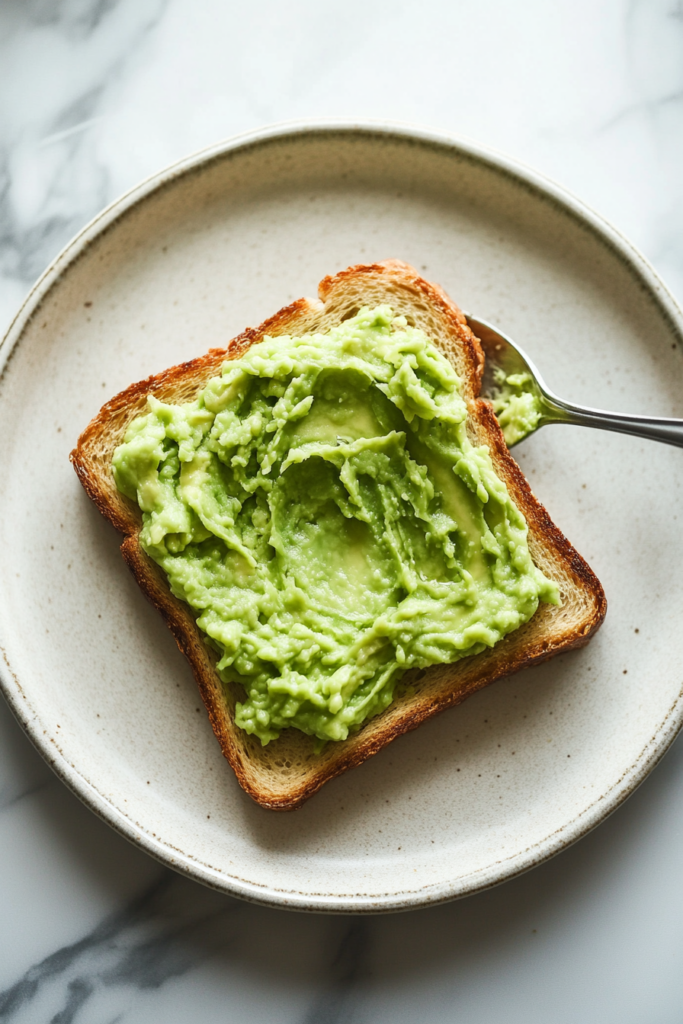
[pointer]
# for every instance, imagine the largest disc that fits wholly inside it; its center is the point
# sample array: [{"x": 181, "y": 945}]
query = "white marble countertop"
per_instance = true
[{"x": 96, "y": 94}]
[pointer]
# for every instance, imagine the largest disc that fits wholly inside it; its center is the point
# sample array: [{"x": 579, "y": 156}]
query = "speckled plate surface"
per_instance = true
[{"x": 184, "y": 262}]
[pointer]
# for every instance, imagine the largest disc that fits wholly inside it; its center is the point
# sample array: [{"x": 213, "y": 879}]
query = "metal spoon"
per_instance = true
[{"x": 503, "y": 354}]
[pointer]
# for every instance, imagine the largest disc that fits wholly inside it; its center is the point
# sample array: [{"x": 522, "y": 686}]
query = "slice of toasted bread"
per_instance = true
[{"x": 287, "y": 772}]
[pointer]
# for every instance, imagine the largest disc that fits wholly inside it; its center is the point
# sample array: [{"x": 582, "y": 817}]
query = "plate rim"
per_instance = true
[{"x": 544, "y": 188}]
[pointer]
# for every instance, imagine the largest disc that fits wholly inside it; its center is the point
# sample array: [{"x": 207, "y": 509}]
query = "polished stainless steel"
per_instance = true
[{"x": 501, "y": 351}]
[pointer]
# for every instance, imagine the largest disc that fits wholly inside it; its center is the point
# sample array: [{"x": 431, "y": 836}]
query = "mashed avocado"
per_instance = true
[
  {"x": 517, "y": 405},
  {"x": 321, "y": 510}
]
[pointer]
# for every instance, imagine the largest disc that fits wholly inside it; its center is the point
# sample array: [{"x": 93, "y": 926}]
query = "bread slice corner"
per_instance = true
[{"x": 285, "y": 773}]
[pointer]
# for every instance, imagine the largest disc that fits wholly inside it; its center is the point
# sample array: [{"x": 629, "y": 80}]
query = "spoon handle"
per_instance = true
[{"x": 653, "y": 428}]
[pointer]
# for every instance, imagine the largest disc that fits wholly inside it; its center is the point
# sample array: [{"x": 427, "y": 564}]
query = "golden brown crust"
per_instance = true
[{"x": 287, "y": 772}]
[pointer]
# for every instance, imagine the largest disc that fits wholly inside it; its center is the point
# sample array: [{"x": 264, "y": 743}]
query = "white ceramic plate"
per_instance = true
[{"x": 186, "y": 261}]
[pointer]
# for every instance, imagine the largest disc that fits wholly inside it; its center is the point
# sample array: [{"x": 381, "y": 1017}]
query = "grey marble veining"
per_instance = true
[
  {"x": 94, "y": 95},
  {"x": 590, "y": 936},
  {"x": 53, "y": 181}
]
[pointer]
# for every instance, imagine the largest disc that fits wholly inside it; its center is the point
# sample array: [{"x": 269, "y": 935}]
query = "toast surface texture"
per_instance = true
[{"x": 285, "y": 773}]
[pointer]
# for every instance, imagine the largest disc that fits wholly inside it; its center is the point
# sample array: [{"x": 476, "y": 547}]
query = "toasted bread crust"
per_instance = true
[{"x": 284, "y": 774}]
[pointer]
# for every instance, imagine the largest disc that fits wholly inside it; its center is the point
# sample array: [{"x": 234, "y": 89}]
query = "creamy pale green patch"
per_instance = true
[
  {"x": 321, "y": 510},
  {"x": 517, "y": 405}
]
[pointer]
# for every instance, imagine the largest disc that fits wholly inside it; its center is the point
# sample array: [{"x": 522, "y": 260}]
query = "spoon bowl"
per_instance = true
[{"x": 505, "y": 360}]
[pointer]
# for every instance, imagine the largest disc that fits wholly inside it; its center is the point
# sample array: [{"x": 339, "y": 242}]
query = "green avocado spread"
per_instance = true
[
  {"x": 321, "y": 510},
  {"x": 517, "y": 405}
]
